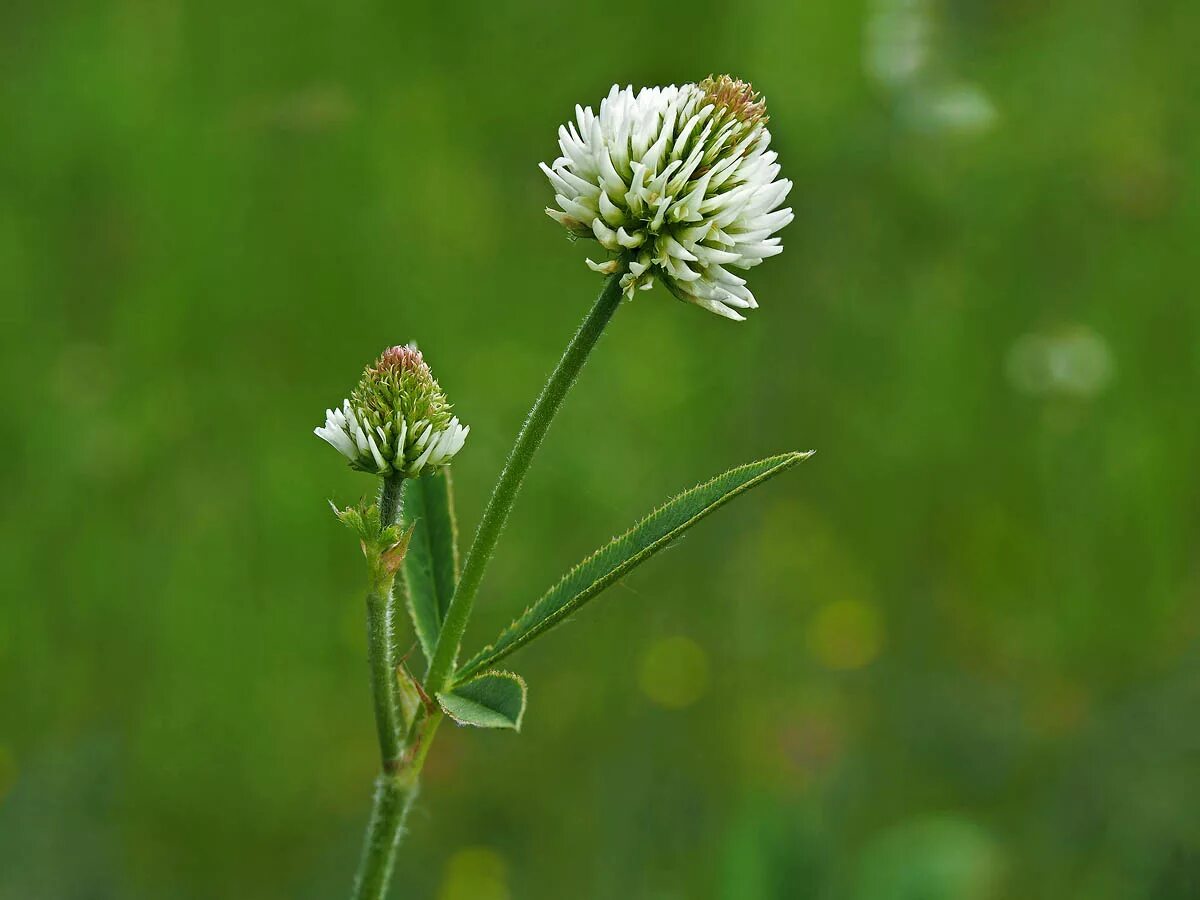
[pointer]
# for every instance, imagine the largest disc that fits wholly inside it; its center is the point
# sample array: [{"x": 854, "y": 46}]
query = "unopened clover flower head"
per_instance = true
[
  {"x": 397, "y": 420},
  {"x": 680, "y": 183}
]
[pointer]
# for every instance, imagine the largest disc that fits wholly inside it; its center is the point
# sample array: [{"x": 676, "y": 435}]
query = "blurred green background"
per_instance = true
[{"x": 952, "y": 656}]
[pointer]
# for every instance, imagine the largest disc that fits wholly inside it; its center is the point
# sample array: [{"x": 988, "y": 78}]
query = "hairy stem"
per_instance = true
[
  {"x": 395, "y": 788},
  {"x": 390, "y": 497},
  {"x": 381, "y": 655},
  {"x": 381, "y": 660},
  {"x": 389, "y": 810},
  {"x": 509, "y": 485}
]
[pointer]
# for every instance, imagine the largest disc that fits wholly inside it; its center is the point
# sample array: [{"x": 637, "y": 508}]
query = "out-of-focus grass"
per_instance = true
[{"x": 951, "y": 656}]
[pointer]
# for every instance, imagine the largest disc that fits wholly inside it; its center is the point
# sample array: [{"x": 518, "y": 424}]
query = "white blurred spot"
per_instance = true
[
  {"x": 899, "y": 35},
  {"x": 1073, "y": 362},
  {"x": 958, "y": 108},
  {"x": 904, "y": 54}
]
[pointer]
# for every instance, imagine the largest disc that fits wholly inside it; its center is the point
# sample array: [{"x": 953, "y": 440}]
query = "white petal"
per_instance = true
[
  {"x": 337, "y": 439},
  {"x": 375, "y": 453},
  {"x": 605, "y": 268}
]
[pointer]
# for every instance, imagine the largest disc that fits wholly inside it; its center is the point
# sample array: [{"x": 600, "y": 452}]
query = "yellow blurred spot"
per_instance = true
[
  {"x": 475, "y": 873},
  {"x": 845, "y": 634},
  {"x": 674, "y": 672}
]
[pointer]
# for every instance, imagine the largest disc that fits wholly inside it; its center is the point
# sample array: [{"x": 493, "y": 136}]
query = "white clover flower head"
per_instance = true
[
  {"x": 679, "y": 183},
  {"x": 397, "y": 420}
]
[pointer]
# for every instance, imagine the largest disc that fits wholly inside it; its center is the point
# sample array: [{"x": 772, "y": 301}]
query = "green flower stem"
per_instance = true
[
  {"x": 390, "y": 496},
  {"x": 393, "y": 798},
  {"x": 381, "y": 656},
  {"x": 509, "y": 484},
  {"x": 381, "y": 660},
  {"x": 396, "y": 786}
]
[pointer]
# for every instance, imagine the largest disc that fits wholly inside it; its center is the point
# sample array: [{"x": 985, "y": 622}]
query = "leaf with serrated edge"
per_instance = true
[
  {"x": 495, "y": 699},
  {"x": 624, "y": 553},
  {"x": 431, "y": 566}
]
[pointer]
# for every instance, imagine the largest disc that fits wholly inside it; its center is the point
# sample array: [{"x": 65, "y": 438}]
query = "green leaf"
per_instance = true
[
  {"x": 431, "y": 566},
  {"x": 494, "y": 699},
  {"x": 622, "y": 554}
]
